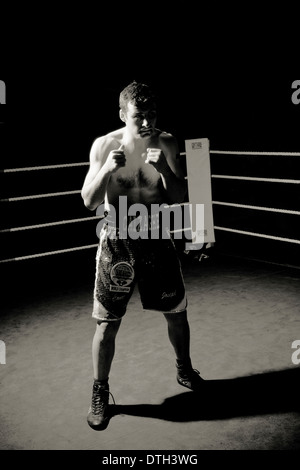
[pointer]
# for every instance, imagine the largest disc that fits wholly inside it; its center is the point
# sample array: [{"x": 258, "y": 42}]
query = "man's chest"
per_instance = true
[{"x": 137, "y": 174}]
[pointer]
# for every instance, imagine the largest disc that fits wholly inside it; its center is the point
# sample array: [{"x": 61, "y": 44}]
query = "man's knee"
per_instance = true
[
  {"x": 177, "y": 318},
  {"x": 107, "y": 330}
]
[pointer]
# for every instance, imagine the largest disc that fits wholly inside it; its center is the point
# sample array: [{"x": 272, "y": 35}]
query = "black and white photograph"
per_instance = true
[{"x": 150, "y": 254}]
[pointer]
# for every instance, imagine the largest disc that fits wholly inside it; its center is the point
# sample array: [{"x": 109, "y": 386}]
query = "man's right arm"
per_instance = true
[{"x": 103, "y": 162}]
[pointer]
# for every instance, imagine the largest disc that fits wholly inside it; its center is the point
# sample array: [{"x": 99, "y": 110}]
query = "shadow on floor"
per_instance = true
[{"x": 268, "y": 393}]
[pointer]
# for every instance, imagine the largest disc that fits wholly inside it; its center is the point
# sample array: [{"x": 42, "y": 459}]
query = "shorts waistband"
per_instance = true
[{"x": 149, "y": 222}]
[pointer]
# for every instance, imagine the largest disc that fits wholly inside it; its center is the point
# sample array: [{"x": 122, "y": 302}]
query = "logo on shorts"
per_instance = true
[
  {"x": 122, "y": 275},
  {"x": 168, "y": 295}
]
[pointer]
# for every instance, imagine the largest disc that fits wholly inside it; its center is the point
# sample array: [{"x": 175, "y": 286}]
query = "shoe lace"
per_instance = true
[
  {"x": 100, "y": 400},
  {"x": 188, "y": 376},
  {"x": 112, "y": 397}
]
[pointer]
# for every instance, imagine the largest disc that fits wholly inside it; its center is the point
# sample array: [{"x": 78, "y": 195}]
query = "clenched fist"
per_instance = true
[
  {"x": 115, "y": 160},
  {"x": 156, "y": 158}
]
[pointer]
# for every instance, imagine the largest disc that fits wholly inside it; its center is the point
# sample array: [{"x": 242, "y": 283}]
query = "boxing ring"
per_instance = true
[
  {"x": 255, "y": 207},
  {"x": 243, "y": 308}
]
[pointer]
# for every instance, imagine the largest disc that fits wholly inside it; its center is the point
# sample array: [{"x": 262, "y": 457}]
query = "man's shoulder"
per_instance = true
[
  {"x": 102, "y": 145},
  {"x": 164, "y": 134},
  {"x": 166, "y": 139},
  {"x": 110, "y": 140},
  {"x": 113, "y": 137}
]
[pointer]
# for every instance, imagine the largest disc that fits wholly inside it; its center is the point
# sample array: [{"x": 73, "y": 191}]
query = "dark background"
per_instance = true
[
  {"x": 55, "y": 119},
  {"x": 223, "y": 72}
]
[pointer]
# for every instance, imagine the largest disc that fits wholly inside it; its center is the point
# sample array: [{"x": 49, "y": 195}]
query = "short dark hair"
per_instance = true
[{"x": 138, "y": 93}]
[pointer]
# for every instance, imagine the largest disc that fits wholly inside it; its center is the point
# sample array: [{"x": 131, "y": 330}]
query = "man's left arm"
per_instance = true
[{"x": 165, "y": 160}]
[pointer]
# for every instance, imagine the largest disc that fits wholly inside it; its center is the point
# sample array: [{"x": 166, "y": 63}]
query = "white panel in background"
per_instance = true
[{"x": 199, "y": 187}]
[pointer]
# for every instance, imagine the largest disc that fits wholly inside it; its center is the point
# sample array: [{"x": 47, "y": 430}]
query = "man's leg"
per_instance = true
[
  {"x": 103, "y": 349},
  {"x": 179, "y": 335}
]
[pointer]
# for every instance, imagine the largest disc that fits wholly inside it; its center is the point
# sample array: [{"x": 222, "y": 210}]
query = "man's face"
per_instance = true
[{"x": 140, "y": 121}]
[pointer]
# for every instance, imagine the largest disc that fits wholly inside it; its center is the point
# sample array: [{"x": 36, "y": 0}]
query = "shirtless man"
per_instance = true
[{"x": 138, "y": 162}]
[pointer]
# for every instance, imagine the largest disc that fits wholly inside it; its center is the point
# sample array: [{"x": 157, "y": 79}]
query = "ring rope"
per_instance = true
[
  {"x": 68, "y": 221},
  {"x": 267, "y": 154},
  {"x": 68, "y": 250},
  {"x": 68, "y": 193},
  {"x": 259, "y": 208},
  {"x": 45, "y": 167},
  {"x": 85, "y": 219},
  {"x": 216, "y": 152},
  {"x": 260, "y": 235},
  {"x": 48, "y": 253},
  {"x": 236, "y": 152},
  {"x": 253, "y": 178},
  {"x": 49, "y": 224},
  {"x": 38, "y": 196}
]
